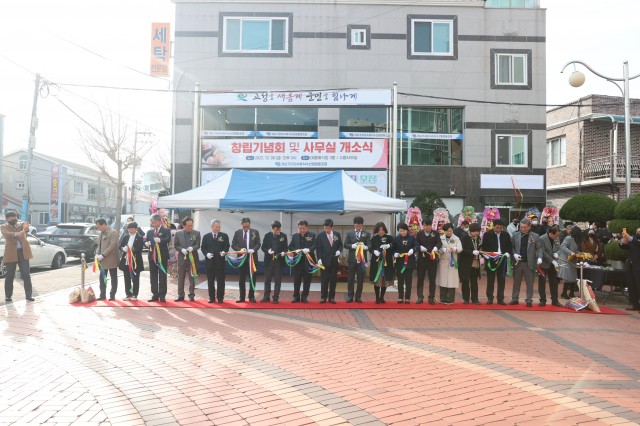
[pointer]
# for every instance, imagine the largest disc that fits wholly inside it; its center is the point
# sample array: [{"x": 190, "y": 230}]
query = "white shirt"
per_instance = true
[{"x": 131, "y": 240}]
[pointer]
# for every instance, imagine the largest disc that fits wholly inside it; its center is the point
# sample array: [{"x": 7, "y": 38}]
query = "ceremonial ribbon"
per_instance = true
[
  {"x": 238, "y": 262},
  {"x": 382, "y": 262},
  {"x": 498, "y": 259},
  {"x": 194, "y": 268},
  {"x": 131, "y": 261},
  {"x": 433, "y": 254},
  {"x": 311, "y": 265},
  {"x": 406, "y": 261},
  {"x": 157, "y": 258},
  {"x": 97, "y": 265},
  {"x": 252, "y": 271},
  {"x": 453, "y": 262},
  {"x": 292, "y": 258},
  {"x": 541, "y": 271},
  {"x": 360, "y": 254}
]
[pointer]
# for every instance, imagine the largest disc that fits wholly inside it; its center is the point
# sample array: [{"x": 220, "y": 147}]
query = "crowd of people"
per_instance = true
[{"x": 447, "y": 259}]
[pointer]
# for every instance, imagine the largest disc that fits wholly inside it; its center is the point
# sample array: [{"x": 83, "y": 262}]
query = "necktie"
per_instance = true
[
  {"x": 156, "y": 232},
  {"x": 358, "y": 235},
  {"x": 214, "y": 236},
  {"x": 331, "y": 239},
  {"x": 498, "y": 236},
  {"x": 246, "y": 239}
]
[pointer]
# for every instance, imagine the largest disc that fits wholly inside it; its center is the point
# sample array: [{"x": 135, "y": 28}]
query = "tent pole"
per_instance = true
[
  {"x": 394, "y": 148},
  {"x": 195, "y": 153}
]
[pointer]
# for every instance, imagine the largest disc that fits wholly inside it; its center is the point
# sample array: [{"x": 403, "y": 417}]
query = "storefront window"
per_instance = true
[
  {"x": 275, "y": 119},
  {"x": 363, "y": 120},
  {"x": 232, "y": 119}
]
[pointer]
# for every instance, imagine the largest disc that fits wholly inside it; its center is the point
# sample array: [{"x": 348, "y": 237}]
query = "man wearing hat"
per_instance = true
[
  {"x": 274, "y": 245},
  {"x": 248, "y": 239},
  {"x": 329, "y": 245}
]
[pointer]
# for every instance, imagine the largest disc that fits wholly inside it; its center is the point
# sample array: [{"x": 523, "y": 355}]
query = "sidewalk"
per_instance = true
[{"x": 79, "y": 365}]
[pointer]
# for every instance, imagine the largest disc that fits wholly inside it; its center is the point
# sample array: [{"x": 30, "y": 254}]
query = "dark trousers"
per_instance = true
[
  {"x": 356, "y": 274},
  {"x": 428, "y": 268},
  {"x": 25, "y": 273},
  {"x": 329, "y": 280},
  {"x": 301, "y": 276},
  {"x": 130, "y": 279},
  {"x": 114, "y": 282},
  {"x": 633, "y": 278},
  {"x": 244, "y": 271},
  {"x": 470, "y": 278},
  {"x": 404, "y": 281},
  {"x": 491, "y": 278},
  {"x": 184, "y": 274},
  {"x": 158, "y": 279},
  {"x": 552, "y": 277},
  {"x": 215, "y": 272},
  {"x": 272, "y": 271}
]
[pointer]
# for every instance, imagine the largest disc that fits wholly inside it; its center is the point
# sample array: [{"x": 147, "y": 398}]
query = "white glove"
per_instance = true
[
  {"x": 251, "y": 251},
  {"x": 507, "y": 255},
  {"x": 189, "y": 249},
  {"x": 184, "y": 251},
  {"x": 148, "y": 244},
  {"x": 365, "y": 248},
  {"x": 270, "y": 251},
  {"x": 222, "y": 253},
  {"x": 586, "y": 265},
  {"x": 555, "y": 264},
  {"x": 282, "y": 254},
  {"x": 337, "y": 253},
  {"x": 423, "y": 249},
  {"x": 539, "y": 261},
  {"x": 156, "y": 239},
  {"x": 353, "y": 246},
  {"x": 555, "y": 255},
  {"x": 125, "y": 249},
  {"x": 305, "y": 250},
  {"x": 443, "y": 249},
  {"x": 396, "y": 254},
  {"x": 386, "y": 246},
  {"x": 410, "y": 252},
  {"x": 100, "y": 257},
  {"x": 499, "y": 253},
  {"x": 319, "y": 261},
  {"x": 377, "y": 253},
  {"x": 476, "y": 252},
  {"x": 517, "y": 257},
  {"x": 209, "y": 255}
]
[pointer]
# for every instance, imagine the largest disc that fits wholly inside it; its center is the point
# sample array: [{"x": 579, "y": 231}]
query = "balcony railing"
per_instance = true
[{"x": 602, "y": 167}]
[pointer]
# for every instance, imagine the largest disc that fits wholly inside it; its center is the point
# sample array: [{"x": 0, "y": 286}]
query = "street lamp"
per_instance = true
[{"x": 576, "y": 79}]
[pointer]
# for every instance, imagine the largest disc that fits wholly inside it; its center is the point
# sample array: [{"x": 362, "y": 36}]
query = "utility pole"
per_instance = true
[
  {"x": 135, "y": 163},
  {"x": 1, "y": 157},
  {"x": 32, "y": 144}
]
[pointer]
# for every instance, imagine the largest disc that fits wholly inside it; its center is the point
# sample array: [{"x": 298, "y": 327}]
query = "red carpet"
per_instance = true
[{"x": 230, "y": 304}]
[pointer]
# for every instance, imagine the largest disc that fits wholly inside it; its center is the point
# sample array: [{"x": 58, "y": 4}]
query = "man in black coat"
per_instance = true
[
  {"x": 131, "y": 263},
  {"x": 633, "y": 280},
  {"x": 158, "y": 237},
  {"x": 496, "y": 240},
  {"x": 274, "y": 245},
  {"x": 304, "y": 241},
  {"x": 329, "y": 246},
  {"x": 550, "y": 243},
  {"x": 356, "y": 269},
  {"x": 214, "y": 247},
  {"x": 248, "y": 239},
  {"x": 429, "y": 241}
]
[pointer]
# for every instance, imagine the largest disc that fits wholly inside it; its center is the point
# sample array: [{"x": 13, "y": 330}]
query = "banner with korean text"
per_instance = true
[
  {"x": 294, "y": 153},
  {"x": 54, "y": 199},
  {"x": 160, "y": 49}
]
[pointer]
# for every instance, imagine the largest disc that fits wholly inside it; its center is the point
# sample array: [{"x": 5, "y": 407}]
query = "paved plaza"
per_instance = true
[{"x": 87, "y": 365}]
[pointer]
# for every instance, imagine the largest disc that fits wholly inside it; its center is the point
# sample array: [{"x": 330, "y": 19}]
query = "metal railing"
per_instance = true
[{"x": 602, "y": 167}]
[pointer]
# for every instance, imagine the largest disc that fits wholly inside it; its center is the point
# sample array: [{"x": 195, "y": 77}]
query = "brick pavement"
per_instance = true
[{"x": 66, "y": 365}]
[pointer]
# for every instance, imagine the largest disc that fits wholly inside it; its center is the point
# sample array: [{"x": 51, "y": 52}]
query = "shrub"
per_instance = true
[
  {"x": 427, "y": 201},
  {"x": 588, "y": 208},
  {"x": 628, "y": 209},
  {"x": 613, "y": 251},
  {"x": 617, "y": 225}
]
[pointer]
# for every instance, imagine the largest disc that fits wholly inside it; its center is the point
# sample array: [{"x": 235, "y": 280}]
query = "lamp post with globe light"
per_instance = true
[{"x": 576, "y": 79}]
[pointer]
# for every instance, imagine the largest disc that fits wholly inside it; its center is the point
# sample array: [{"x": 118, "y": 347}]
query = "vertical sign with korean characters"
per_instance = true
[
  {"x": 54, "y": 199},
  {"x": 160, "y": 49}
]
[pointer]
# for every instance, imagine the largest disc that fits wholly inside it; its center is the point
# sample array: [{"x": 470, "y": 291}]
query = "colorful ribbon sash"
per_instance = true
[
  {"x": 98, "y": 266},
  {"x": 157, "y": 258},
  {"x": 497, "y": 259},
  {"x": 194, "y": 268},
  {"x": 382, "y": 262},
  {"x": 406, "y": 261},
  {"x": 238, "y": 262}
]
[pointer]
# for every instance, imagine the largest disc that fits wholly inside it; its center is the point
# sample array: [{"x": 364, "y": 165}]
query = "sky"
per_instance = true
[{"x": 107, "y": 43}]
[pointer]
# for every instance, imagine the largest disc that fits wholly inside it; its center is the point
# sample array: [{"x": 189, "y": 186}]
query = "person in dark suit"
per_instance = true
[
  {"x": 499, "y": 241},
  {"x": 246, "y": 238},
  {"x": 527, "y": 253},
  {"x": 404, "y": 243},
  {"x": 215, "y": 245},
  {"x": 186, "y": 240},
  {"x": 550, "y": 243},
  {"x": 462, "y": 230},
  {"x": 469, "y": 264},
  {"x": 633, "y": 245},
  {"x": 382, "y": 252},
  {"x": 304, "y": 241},
  {"x": 356, "y": 268},
  {"x": 131, "y": 263},
  {"x": 274, "y": 245},
  {"x": 429, "y": 241},
  {"x": 157, "y": 239},
  {"x": 329, "y": 246}
]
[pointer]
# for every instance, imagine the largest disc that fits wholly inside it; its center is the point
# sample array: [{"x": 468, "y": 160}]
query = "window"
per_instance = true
[
  {"x": 530, "y": 4},
  {"x": 276, "y": 119},
  {"x": 511, "y": 69},
  {"x": 44, "y": 218},
  {"x": 511, "y": 150},
  {"x": 78, "y": 187},
  {"x": 19, "y": 185},
  {"x": 92, "y": 193},
  {"x": 261, "y": 33},
  {"x": 23, "y": 162},
  {"x": 359, "y": 37},
  {"x": 360, "y": 120},
  {"x": 557, "y": 152},
  {"x": 432, "y": 37}
]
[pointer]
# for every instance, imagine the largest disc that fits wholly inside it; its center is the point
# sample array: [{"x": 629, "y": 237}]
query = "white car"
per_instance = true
[{"x": 44, "y": 255}]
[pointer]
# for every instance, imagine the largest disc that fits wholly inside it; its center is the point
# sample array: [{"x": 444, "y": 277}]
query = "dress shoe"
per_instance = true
[
  {"x": 564, "y": 296},
  {"x": 556, "y": 303},
  {"x": 358, "y": 300},
  {"x": 529, "y": 304},
  {"x": 304, "y": 299},
  {"x": 502, "y": 303},
  {"x": 466, "y": 302},
  {"x": 295, "y": 299},
  {"x": 514, "y": 302},
  {"x": 153, "y": 299},
  {"x": 489, "y": 301},
  {"x": 179, "y": 299},
  {"x": 349, "y": 300},
  {"x": 377, "y": 301},
  {"x": 475, "y": 302},
  {"x": 211, "y": 301},
  {"x": 323, "y": 300},
  {"x": 407, "y": 301},
  {"x": 420, "y": 300},
  {"x": 432, "y": 301},
  {"x": 192, "y": 299},
  {"x": 111, "y": 299},
  {"x": 240, "y": 301},
  {"x": 163, "y": 300},
  {"x": 632, "y": 308},
  {"x": 252, "y": 300},
  {"x": 400, "y": 301},
  {"x": 266, "y": 300},
  {"x": 31, "y": 299},
  {"x": 102, "y": 298},
  {"x": 332, "y": 301},
  {"x": 275, "y": 301},
  {"x": 8, "y": 299},
  {"x": 542, "y": 304}
]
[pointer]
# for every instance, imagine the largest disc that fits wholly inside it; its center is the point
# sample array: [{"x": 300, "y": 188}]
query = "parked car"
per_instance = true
[
  {"x": 76, "y": 238},
  {"x": 44, "y": 235},
  {"x": 44, "y": 255}
]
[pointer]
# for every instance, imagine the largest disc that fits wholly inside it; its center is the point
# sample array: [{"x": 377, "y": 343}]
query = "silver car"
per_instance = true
[{"x": 44, "y": 255}]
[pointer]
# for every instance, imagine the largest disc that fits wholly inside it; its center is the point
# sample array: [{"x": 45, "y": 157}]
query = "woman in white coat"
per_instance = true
[{"x": 447, "y": 278}]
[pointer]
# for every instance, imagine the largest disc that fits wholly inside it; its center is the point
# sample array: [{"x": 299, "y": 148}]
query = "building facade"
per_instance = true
[
  {"x": 61, "y": 191},
  {"x": 308, "y": 85},
  {"x": 586, "y": 149}
]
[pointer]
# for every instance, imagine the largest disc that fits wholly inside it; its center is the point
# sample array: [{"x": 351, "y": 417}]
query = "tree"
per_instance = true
[
  {"x": 588, "y": 208},
  {"x": 626, "y": 215},
  {"x": 107, "y": 145},
  {"x": 427, "y": 201}
]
